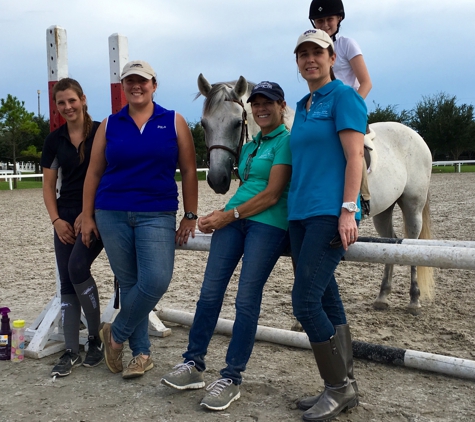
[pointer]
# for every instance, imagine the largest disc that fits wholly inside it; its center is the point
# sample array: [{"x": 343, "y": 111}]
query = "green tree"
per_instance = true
[
  {"x": 200, "y": 145},
  {"x": 32, "y": 154},
  {"x": 446, "y": 127},
  {"x": 33, "y": 151},
  {"x": 388, "y": 114},
  {"x": 39, "y": 139},
  {"x": 17, "y": 128}
]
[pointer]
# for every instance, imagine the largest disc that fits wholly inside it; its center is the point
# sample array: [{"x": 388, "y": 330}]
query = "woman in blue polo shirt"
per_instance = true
[
  {"x": 130, "y": 191},
  {"x": 253, "y": 225},
  {"x": 327, "y": 149},
  {"x": 69, "y": 148}
]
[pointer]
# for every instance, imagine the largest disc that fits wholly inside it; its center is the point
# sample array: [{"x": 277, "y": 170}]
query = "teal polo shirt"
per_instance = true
[
  {"x": 269, "y": 150},
  {"x": 318, "y": 159}
]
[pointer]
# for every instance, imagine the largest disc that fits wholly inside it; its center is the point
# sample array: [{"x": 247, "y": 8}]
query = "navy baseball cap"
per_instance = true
[{"x": 271, "y": 90}]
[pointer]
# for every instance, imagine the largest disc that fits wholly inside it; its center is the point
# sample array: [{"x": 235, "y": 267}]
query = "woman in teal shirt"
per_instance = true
[{"x": 253, "y": 225}]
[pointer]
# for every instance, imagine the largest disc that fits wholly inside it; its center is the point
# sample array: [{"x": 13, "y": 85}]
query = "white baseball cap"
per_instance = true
[
  {"x": 316, "y": 36},
  {"x": 138, "y": 67}
]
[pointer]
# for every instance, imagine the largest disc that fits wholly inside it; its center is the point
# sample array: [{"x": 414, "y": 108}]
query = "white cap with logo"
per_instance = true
[
  {"x": 138, "y": 67},
  {"x": 316, "y": 36}
]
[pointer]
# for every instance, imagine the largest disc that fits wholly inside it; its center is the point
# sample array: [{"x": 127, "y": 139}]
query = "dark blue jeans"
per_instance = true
[
  {"x": 315, "y": 297},
  {"x": 260, "y": 246},
  {"x": 73, "y": 261}
]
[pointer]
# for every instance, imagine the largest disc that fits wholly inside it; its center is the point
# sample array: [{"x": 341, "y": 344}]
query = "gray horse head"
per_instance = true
[{"x": 224, "y": 113}]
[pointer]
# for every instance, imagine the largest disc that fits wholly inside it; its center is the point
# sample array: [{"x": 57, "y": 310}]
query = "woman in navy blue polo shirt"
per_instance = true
[
  {"x": 326, "y": 142},
  {"x": 130, "y": 191},
  {"x": 69, "y": 148}
]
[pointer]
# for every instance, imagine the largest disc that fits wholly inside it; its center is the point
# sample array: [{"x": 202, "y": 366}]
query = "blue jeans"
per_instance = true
[
  {"x": 315, "y": 297},
  {"x": 260, "y": 246},
  {"x": 141, "y": 251}
]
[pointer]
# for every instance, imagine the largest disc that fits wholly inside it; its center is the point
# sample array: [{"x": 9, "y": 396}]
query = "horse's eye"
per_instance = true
[
  {"x": 203, "y": 124},
  {"x": 238, "y": 124}
]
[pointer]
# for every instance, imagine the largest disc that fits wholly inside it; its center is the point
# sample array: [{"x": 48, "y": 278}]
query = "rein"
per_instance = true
[{"x": 243, "y": 137}]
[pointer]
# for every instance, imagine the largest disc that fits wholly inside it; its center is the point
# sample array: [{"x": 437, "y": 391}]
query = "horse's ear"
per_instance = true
[
  {"x": 203, "y": 85},
  {"x": 241, "y": 87}
]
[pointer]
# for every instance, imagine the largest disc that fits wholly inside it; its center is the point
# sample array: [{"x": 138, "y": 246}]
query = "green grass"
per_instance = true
[
  {"x": 24, "y": 184},
  {"x": 466, "y": 168}
]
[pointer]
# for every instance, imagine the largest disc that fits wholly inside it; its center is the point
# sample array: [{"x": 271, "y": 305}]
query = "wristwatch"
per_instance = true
[
  {"x": 236, "y": 213},
  {"x": 350, "y": 206},
  {"x": 191, "y": 215}
]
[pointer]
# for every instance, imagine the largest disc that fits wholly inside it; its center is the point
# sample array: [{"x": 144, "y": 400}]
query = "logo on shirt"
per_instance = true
[
  {"x": 161, "y": 127},
  {"x": 322, "y": 110},
  {"x": 267, "y": 155}
]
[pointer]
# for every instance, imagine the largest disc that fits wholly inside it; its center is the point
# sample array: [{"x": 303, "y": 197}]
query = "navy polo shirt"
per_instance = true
[{"x": 141, "y": 163}]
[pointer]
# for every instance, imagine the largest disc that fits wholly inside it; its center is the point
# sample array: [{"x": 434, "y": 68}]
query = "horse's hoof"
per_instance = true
[
  {"x": 297, "y": 327},
  {"x": 414, "y": 309},
  {"x": 380, "y": 305}
]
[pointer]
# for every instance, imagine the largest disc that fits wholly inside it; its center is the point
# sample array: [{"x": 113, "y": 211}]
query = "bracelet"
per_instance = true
[{"x": 54, "y": 221}]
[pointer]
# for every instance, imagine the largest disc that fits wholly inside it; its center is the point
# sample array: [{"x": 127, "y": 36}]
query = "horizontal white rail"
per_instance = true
[
  {"x": 10, "y": 177},
  {"x": 422, "y": 255},
  {"x": 456, "y": 163}
]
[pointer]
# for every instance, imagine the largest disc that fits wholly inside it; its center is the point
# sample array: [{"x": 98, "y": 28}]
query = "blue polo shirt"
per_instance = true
[
  {"x": 141, "y": 164},
  {"x": 318, "y": 160},
  {"x": 270, "y": 150}
]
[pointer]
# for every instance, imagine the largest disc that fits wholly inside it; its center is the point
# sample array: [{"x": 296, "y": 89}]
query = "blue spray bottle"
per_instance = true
[{"x": 5, "y": 335}]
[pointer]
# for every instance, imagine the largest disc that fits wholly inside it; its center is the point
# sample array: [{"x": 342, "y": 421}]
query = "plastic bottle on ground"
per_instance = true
[{"x": 18, "y": 341}]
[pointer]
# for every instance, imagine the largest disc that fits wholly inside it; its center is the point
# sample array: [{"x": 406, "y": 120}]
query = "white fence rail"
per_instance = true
[
  {"x": 27, "y": 166},
  {"x": 9, "y": 176},
  {"x": 456, "y": 163}
]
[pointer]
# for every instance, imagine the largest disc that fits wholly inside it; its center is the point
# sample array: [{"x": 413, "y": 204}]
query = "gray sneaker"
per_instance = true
[
  {"x": 221, "y": 394},
  {"x": 184, "y": 377}
]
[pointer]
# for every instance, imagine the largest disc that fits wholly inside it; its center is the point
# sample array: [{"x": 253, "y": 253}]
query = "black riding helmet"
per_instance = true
[{"x": 324, "y": 8}]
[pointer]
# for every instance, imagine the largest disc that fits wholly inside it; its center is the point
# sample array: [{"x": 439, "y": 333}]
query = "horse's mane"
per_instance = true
[{"x": 219, "y": 92}]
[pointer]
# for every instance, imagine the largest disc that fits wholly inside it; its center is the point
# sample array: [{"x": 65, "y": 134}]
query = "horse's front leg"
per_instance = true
[
  {"x": 382, "y": 302},
  {"x": 414, "y": 305}
]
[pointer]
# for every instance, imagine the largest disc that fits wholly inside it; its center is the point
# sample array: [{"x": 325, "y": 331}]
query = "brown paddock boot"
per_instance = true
[
  {"x": 347, "y": 351},
  {"x": 339, "y": 395}
]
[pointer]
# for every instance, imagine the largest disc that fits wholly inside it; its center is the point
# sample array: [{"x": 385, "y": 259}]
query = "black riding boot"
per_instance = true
[
  {"x": 339, "y": 395},
  {"x": 344, "y": 336}
]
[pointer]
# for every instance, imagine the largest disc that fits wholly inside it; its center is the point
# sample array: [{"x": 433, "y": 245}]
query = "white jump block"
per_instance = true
[{"x": 45, "y": 334}]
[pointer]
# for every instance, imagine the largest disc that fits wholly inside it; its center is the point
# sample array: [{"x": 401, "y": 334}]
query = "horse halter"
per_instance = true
[{"x": 244, "y": 136}]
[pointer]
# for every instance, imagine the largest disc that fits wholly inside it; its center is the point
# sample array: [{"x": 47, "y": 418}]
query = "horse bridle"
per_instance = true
[{"x": 243, "y": 137}]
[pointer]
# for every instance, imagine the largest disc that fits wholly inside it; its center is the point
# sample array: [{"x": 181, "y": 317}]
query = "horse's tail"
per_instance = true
[{"x": 425, "y": 275}]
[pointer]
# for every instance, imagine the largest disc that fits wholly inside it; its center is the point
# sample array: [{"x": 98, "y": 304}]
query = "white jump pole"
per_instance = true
[
  {"x": 462, "y": 368},
  {"x": 118, "y": 57},
  {"x": 225, "y": 326},
  {"x": 45, "y": 334},
  {"x": 383, "y": 253},
  {"x": 418, "y": 242}
]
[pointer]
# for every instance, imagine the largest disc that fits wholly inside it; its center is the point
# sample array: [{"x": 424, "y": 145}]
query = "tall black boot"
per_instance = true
[
  {"x": 339, "y": 395},
  {"x": 347, "y": 352}
]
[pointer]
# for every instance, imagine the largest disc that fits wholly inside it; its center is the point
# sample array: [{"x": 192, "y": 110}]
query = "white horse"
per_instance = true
[{"x": 400, "y": 170}]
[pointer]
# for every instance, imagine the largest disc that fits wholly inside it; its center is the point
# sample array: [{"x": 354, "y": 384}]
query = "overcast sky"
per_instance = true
[{"x": 412, "y": 48}]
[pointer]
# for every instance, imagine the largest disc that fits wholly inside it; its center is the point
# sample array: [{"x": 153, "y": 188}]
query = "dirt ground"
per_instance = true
[{"x": 276, "y": 376}]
